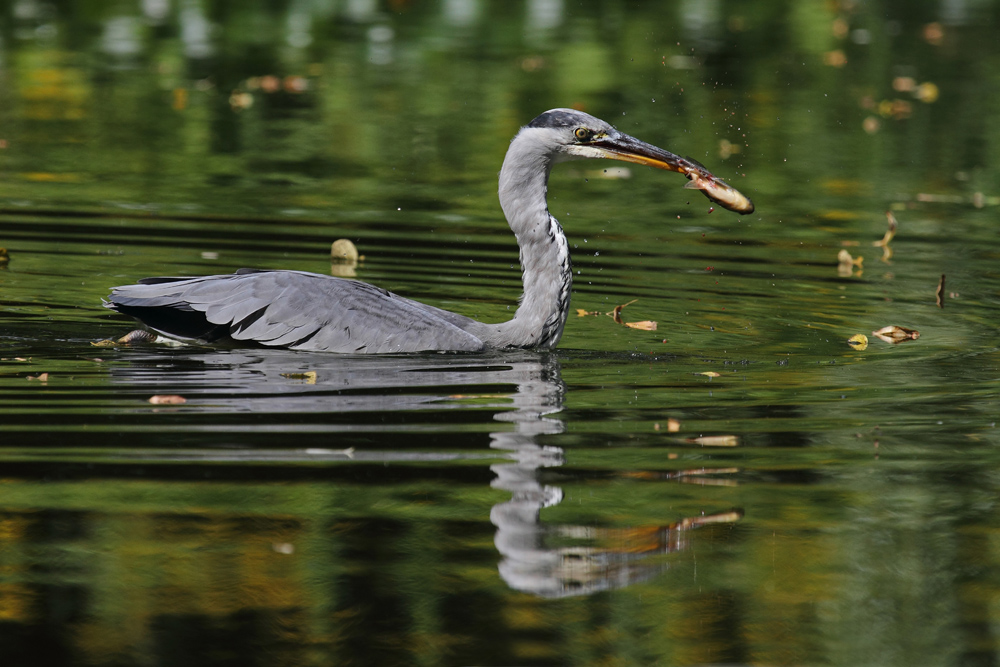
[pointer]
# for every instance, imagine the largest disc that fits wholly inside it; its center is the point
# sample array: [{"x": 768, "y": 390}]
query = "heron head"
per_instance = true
[
  {"x": 570, "y": 134},
  {"x": 574, "y": 134}
]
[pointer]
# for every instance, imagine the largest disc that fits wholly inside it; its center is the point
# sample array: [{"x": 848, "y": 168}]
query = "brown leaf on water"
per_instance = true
[
  {"x": 891, "y": 232},
  {"x": 709, "y": 374},
  {"x": 894, "y": 334},
  {"x": 939, "y": 292},
  {"x": 42, "y": 377},
  {"x": 107, "y": 342},
  {"x": 580, "y": 312},
  {"x": 167, "y": 399},
  {"x": 715, "y": 441},
  {"x": 616, "y": 314},
  {"x": 858, "y": 341},
  {"x": 846, "y": 263},
  {"x": 645, "y": 325}
]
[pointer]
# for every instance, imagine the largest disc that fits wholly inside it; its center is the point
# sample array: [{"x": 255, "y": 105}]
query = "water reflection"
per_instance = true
[{"x": 539, "y": 557}]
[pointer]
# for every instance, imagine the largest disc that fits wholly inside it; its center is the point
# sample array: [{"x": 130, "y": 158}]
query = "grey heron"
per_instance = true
[{"x": 307, "y": 311}]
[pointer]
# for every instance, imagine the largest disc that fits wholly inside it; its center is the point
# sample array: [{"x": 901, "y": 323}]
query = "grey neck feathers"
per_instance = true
[{"x": 545, "y": 263}]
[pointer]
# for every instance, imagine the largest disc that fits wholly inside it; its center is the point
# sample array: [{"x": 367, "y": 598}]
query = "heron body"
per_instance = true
[{"x": 307, "y": 311}]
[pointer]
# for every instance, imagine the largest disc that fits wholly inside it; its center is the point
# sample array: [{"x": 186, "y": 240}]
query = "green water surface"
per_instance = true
[{"x": 737, "y": 486}]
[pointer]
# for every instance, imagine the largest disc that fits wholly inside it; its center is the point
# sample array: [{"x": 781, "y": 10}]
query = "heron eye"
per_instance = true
[{"x": 583, "y": 133}]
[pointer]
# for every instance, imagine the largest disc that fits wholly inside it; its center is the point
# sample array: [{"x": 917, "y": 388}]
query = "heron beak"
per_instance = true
[{"x": 629, "y": 149}]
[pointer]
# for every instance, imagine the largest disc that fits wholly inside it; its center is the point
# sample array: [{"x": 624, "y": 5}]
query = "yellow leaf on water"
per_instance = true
[
  {"x": 710, "y": 374},
  {"x": 645, "y": 325},
  {"x": 309, "y": 376},
  {"x": 858, "y": 341},
  {"x": 344, "y": 250}
]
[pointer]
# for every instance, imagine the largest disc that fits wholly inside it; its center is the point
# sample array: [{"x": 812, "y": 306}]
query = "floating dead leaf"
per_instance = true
[
  {"x": 891, "y": 232},
  {"x": 708, "y": 374},
  {"x": 715, "y": 441},
  {"x": 673, "y": 425},
  {"x": 344, "y": 250},
  {"x": 616, "y": 313},
  {"x": 107, "y": 342},
  {"x": 939, "y": 292},
  {"x": 344, "y": 258},
  {"x": 894, "y": 334},
  {"x": 167, "y": 399},
  {"x": 309, "y": 377},
  {"x": 4, "y": 256},
  {"x": 645, "y": 325},
  {"x": 846, "y": 263},
  {"x": 723, "y": 517},
  {"x": 580, "y": 312},
  {"x": 42, "y": 377},
  {"x": 858, "y": 341}
]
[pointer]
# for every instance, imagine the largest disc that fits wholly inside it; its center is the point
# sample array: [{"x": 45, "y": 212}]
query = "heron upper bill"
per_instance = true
[{"x": 630, "y": 149}]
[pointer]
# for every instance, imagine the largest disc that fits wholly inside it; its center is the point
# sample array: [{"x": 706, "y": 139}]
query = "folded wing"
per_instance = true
[{"x": 292, "y": 309}]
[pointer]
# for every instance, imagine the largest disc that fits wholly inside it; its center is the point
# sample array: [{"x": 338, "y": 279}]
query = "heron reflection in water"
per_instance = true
[
  {"x": 604, "y": 548},
  {"x": 306, "y": 311}
]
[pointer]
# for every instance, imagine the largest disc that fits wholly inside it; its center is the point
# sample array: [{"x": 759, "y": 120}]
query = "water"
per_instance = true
[{"x": 738, "y": 485}]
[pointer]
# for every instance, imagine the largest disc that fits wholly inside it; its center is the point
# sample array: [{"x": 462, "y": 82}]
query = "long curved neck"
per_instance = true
[{"x": 545, "y": 262}]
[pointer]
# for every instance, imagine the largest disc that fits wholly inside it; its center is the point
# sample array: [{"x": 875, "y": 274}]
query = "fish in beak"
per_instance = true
[{"x": 620, "y": 146}]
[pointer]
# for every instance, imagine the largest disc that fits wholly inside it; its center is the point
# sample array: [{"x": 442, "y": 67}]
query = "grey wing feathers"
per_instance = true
[{"x": 303, "y": 311}]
